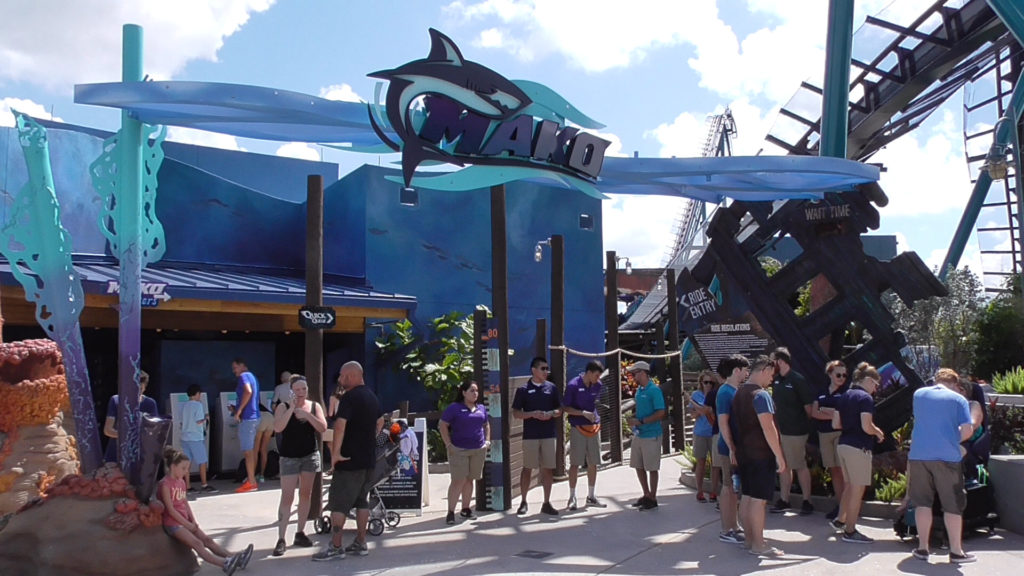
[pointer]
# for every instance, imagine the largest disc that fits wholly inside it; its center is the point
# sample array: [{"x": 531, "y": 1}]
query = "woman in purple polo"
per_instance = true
[{"x": 467, "y": 435}]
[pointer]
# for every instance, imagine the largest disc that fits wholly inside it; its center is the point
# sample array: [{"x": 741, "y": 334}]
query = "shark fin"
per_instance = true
[{"x": 442, "y": 49}]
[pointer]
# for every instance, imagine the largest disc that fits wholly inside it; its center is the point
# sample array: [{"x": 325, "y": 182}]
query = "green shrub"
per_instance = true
[
  {"x": 892, "y": 489},
  {"x": 1010, "y": 382}
]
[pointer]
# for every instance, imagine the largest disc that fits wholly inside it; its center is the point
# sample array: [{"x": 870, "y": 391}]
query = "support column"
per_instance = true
[
  {"x": 675, "y": 366},
  {"x": 129, "y": 234},
  {"x": 556, "y": 360},
  {"x": 835, "y": 103},
  {"x": 499, "y": 306},
  {"x": 315, "y": 297}
]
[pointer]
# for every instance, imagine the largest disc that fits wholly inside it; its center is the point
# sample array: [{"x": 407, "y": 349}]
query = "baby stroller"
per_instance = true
[{"x": 386, "y": 465}]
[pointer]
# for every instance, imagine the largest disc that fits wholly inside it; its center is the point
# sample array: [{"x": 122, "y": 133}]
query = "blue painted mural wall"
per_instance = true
[{"x": 438, "y": 251}]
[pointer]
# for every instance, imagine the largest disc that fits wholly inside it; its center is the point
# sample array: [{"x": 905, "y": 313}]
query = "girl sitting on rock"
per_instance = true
[{"x": 181, "y": 524}]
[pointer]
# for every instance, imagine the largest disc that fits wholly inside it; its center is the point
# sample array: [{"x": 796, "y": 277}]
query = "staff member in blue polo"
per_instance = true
[
  {"x": 538, "y": 405},
  {"x": 580, "y": 403},
  {"x": 645, "y": 451}
]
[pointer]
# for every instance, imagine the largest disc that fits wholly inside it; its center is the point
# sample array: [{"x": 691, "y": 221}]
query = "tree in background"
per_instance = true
[
  {"x": 999, "y": 345},
  {"x": 946, "y": 324}
]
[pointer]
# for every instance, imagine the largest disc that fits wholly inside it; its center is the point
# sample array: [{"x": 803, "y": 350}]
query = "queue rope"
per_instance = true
[{"x": 566, "y": 349}]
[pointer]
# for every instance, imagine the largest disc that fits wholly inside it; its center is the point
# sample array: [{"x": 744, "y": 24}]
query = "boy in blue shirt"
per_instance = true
[{"x": 193, "y": 433}]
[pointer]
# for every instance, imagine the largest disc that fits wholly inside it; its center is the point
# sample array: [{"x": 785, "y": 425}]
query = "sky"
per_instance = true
[{"x": 652, "y": 71}]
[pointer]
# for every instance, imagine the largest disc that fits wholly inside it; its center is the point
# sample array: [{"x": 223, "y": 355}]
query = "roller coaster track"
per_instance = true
[{"x": 900, "y": 74}]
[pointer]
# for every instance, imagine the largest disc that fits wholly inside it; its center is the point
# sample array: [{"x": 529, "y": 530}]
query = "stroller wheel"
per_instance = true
[
  {"x": 376, "y": 526},
  {"x": 392, "y": 518},
  {"x": 323, "y": 524}
]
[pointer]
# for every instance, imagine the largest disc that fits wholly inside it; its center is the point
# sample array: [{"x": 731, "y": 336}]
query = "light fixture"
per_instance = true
[
  {"x": 538, "y": 250},
  {"x": 408, "y": 197},
  {"x": 629, "y": 265}
]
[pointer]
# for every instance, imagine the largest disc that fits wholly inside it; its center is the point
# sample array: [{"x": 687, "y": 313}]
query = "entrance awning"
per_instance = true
[{"x": 208, "y": 298}]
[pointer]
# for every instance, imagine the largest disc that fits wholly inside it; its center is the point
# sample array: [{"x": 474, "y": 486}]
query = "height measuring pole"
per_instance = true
[{"x": 129, "y": 233}]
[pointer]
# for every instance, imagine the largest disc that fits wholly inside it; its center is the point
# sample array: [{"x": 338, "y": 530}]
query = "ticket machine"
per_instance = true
[
  {"x": 226, "y": 430},
  {"x": 176, "y": 402}
]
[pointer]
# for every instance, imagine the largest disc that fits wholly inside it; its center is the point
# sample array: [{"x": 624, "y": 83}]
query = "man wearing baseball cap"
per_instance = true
[{"x": 645, "y": 451}]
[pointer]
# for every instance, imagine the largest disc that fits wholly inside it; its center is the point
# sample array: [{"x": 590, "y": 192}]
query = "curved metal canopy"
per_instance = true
[{"x": 282, "y": 115}]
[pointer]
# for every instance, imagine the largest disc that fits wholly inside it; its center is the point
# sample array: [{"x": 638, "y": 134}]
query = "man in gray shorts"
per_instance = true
[
  {"x": 942, "y": 420},
  {"x": 353, "y": 455},
  {"x": 793, "y": 398}
]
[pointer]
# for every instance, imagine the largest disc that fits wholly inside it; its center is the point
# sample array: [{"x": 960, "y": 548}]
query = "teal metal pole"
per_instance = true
[
  {"x": 1011, "y": 12},
  {"x": 1005, "y": 130},
  {"x": 129, "y": 232},
  {"x": 835, "y": 104}
]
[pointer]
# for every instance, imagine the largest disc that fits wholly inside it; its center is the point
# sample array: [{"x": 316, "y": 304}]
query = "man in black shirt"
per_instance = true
[{"x": 353, "y": 457}]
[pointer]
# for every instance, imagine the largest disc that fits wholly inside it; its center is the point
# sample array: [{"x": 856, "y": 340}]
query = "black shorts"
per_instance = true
[
  {"x": 757, "y": 478},
  {"x": 349, "y": 489}
]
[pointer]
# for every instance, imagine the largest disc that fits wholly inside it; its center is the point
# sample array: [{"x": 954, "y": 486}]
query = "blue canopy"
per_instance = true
[{"x": 281, "y": 115}]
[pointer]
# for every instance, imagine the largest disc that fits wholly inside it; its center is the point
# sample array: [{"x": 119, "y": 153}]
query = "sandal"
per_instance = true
[{"x": 769, "y": 552}]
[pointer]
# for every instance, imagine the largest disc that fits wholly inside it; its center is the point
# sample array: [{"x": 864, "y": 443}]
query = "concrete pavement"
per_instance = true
[{"x": 679, "y": 537}]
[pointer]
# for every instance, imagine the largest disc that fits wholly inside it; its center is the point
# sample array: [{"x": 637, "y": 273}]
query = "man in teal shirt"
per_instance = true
[{"x": 645, "y": 451}]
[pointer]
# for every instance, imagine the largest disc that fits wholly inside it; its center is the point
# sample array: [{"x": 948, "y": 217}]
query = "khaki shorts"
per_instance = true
[
  {"x": 930, "y": 476},
  {"x": 266, "y": 422},
  {"x": 466, "y": 463},
  {"x": 539, "y": 453},
  {"x": 583, "y": 449},
  {"x": 828, "y": 443},
  {"x": 701, "y": 448},
  {"x": 720, "y": 460},
  {"x": 794, "y": 449},
  {"x": 645, "y": 454},
  {"x": 856, "y": 463}
]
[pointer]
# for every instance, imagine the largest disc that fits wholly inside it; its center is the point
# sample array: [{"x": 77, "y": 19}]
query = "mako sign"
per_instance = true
[
  {"x": 447, "y": 109},
  {"x": 153, "y": 293}
]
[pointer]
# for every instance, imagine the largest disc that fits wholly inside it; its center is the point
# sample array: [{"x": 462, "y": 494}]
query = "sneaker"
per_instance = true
[
  {"x": 965, "y": 558},
  {"x": 731, "y": 536},
  {"x": 713, "y": 498},
  {"x": 329, "y": 553},
  {"x": 279, "y": 548},
  {"x": 192, "y": 489},
  {"x": 592, "y": 501},
  {"x": 806, "y": 508},
  {"x": 246, "y": 555},
  {"x": 639, "y": 502},
  {"x": 572, "y": 503},
  {"x": 523, "y": 508},
  {"x": 833, "y": 514},
  {"x": 302, "y": 541},
  {"x": 779, "y": 507},
  {"x": 450, "y": 518},
  {"x": 920, "y": 554},
  {"x": 701, "y": 498},
  {"x": 208, "y": 488},
  {"x": 467, "y": 514},
  {"x": 358, "y": 548},
  {"x": 230, "y": 565},
  {"x": 856, "y": 537},
  {"x": 246, "y": 487},
  {"x": 260, "y": 479},
  {"x": 649, "y": 504},
  {"x": 837, "y": 525},
  {"x": 769, "y": 552},
  {"x": 548, "y": 509}
]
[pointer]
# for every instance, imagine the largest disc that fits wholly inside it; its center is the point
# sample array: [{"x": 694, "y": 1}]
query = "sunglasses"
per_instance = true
[
  {"x": 544, "y": 369},
  {"x": 702, "y": 382},
  {"x": 839, "y": 375}
]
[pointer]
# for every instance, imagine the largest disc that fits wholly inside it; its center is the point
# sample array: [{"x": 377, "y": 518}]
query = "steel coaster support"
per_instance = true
[{"x": 835, "y": 105}]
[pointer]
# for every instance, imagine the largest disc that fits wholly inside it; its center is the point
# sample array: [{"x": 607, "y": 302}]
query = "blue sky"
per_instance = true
[{"x": 650, "y": 70}]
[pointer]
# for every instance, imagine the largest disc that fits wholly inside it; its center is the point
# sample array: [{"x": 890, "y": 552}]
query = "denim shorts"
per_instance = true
[
  {"x": 293, "y": 466},
  {"x": 247, "y": 434},
  {"x": 195, "y": 451}
]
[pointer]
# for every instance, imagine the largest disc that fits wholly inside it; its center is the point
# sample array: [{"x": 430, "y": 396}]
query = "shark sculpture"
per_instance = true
[{"x": 445, "y": 73}]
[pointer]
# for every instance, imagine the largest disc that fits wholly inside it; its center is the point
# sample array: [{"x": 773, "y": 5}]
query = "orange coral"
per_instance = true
[
  {"x": 33, "y": 403},
  {"x": 109, "y": 482}
]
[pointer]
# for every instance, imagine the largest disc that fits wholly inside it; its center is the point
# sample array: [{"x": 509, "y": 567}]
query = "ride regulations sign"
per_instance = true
[{"x": 317, "y": 317}]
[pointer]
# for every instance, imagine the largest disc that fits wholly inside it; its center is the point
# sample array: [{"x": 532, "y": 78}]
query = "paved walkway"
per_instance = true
[{"x": 679, "y": 537}]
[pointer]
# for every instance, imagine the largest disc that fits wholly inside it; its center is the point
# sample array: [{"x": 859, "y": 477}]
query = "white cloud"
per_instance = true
[
  {"x": 686, "y": 135},
  {"x": 641, "y": 227},
  {"x": 299, "y": 150},
  {"x": 25, "y": 107},
  {"x": 343, "y": 92},
  {"x": 202, "y": 138},
  {"x": 82, "y": 39}
]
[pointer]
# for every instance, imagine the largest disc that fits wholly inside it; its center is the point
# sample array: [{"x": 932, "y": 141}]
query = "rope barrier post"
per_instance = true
[
  {"x": 611, "y": 323},
  {"x": 676, "y": 367},
  {"x": 666, "y": 386}
]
